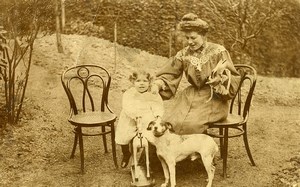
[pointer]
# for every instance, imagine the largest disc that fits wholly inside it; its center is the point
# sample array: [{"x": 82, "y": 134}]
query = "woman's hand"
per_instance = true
[
  {"x": 214, "y": 80},
  {"x": 157, "y": 85},
  {"x": 154, "y": 89}
]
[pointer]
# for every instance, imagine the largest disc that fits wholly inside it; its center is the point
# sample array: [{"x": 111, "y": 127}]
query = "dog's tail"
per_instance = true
[
  {"x": 213, "y": 153},
  {"x": 216, "y": 149}
]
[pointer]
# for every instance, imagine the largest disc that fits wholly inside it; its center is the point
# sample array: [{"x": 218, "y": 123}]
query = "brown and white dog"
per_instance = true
[{"x": 171, "y": 148}]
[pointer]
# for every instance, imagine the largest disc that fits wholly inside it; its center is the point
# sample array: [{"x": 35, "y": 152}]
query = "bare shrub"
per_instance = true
[{"x": 22, "y": 21}]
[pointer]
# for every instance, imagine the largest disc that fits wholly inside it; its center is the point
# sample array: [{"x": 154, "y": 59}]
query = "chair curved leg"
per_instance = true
[
  {"x": 221, "y": 133},
  {"x": 104, "y": 139},
  {"x": 75, "y": 144},
  {"x": 81, "y": 149},
  {"x": 245, "y": 137},
  {"x": 113, "y": 144},
  {"x": 225, "y": 153}
]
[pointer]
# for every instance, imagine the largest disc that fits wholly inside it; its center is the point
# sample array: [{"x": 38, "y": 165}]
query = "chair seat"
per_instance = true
[
  {"x": 231, "y": 120},
  {"x": 88, "y": 119}
]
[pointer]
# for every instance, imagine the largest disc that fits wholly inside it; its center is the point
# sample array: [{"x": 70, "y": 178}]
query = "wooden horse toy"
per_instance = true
[{"x": 140, "y": 176}]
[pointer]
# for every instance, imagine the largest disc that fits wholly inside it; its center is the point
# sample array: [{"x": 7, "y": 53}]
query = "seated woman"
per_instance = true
[{"x": 202, "y": 102}]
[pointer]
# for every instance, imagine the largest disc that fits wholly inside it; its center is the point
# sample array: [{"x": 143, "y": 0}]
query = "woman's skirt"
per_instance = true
[{"x": 192, "y": 112}]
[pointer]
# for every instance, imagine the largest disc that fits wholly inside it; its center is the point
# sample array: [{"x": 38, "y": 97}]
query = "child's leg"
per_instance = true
[
  {"x": 126, "y": 155},
  {"x": 125, "y": 149}
]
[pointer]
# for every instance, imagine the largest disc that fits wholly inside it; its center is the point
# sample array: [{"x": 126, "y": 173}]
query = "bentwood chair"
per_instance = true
[
  {"x": 236, "y": 123},
  {"x": 87, "y": 88}
]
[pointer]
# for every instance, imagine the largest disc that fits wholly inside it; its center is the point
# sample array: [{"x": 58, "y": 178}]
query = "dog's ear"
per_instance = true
[
  {"x": 150, "y": 125},
  {"x": 169, "y": 126}
]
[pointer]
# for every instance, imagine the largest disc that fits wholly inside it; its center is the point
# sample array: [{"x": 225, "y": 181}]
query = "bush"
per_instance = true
[
  {"x": 21, "y": 22},
  {"x": 149, "y": 25}
]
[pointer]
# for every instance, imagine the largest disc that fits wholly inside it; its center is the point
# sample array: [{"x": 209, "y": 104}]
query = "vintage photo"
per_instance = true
[{"x": 117, "y": 93}]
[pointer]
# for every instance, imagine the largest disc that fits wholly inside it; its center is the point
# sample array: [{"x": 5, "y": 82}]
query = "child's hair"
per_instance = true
[{"x": 136, "y": 73}]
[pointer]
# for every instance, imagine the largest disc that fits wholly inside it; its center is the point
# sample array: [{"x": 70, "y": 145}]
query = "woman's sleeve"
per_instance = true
[
  {"x": 128, "y": 104},
  {"x": 169, "y": 77},
  {"x": 157, "y": 106}
]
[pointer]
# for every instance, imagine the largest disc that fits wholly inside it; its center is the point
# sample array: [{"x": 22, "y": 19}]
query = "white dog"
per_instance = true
[{"x": 171, "y": 148}]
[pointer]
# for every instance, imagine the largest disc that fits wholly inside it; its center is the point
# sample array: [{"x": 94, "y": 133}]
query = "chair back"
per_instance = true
[
  {"x": 87, "y": 88},
  {"x": 241, "y": 102}
]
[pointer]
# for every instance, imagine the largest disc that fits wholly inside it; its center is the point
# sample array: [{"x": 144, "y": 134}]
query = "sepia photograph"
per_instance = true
[{"x": 145, "y": 93}]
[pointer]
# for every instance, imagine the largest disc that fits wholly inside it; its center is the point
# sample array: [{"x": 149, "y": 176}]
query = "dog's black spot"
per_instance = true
[
  {"x": 169, "y": 126},
  {"x": 150, "y": 125}
]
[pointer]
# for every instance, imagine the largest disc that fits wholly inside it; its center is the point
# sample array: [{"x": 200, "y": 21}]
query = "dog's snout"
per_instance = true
[{"x": 155, "y": 128}]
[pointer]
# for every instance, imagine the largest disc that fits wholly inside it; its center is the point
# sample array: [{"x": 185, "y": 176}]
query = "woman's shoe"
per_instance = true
[{"x": 125, "y": 161}]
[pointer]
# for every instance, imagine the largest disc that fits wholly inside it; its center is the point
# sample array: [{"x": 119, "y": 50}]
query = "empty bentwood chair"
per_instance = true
[
  {"x": 87, "y": 89},
  {"x": 236, "y": 123}
]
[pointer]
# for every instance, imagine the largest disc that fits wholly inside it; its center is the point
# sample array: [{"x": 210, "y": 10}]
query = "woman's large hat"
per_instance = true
[{"x": 191, "y": 22}]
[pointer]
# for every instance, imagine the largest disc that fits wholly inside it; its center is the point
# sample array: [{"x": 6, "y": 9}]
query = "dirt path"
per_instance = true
[{"x": 36, "y": 153}]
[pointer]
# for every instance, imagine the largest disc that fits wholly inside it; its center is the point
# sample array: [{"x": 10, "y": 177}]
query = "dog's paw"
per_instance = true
[{"x": 164, "y": 184}]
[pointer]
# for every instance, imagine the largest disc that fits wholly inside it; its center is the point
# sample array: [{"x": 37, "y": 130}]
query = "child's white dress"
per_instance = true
[{"x": 135, "y": 104}]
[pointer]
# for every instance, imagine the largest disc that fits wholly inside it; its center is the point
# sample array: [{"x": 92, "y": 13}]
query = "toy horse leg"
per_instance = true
[
  {"x": 135, "y": 148},
  {"x": 147, "y": 159}
]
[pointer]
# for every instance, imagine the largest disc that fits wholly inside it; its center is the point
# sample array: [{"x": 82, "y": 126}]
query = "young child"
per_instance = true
[{"x": 136, "y": 102}]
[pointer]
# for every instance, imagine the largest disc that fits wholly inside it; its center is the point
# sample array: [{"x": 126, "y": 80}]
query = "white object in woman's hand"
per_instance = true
[{"x": 219, "y": 69}]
